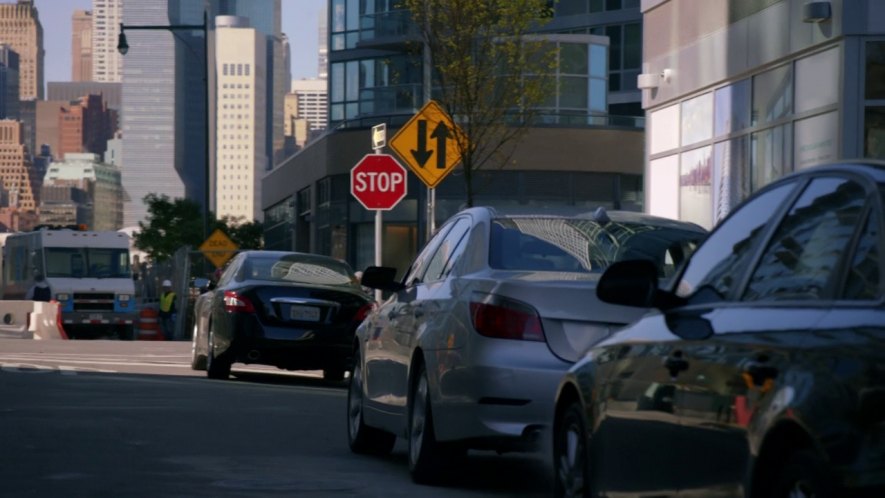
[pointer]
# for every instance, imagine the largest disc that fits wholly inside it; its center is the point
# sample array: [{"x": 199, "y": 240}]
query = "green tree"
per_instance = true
[
  {"x": 174, "y": 223},
  {"x": 247, "y": 235},
  {"x": 489, "y": 73}
]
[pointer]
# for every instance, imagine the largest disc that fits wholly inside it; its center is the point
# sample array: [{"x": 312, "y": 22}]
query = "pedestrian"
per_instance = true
[
  {"x": 167, "y": 311},
  {"x": 40, "y": 291}
]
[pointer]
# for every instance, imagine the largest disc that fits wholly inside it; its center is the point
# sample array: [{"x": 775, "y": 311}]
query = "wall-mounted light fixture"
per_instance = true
[
  {"x": 819, "y": 11},
  {"x": 647, "y": 81}
]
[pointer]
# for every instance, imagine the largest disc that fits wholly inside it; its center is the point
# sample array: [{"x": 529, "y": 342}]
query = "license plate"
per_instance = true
[
  {"x": 304, "y": 313},
  {"x": 95, "y": 316}
]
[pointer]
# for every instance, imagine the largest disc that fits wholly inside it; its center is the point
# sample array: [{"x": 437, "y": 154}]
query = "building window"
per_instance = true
[{"x": 772, "y": 95}]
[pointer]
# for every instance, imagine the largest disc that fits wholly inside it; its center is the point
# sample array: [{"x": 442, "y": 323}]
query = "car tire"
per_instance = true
[
  {"x": 333, "y": 374},
  {"x": 805, "y": 474},
  {"x": 216, "y": 367},
  {"x": 429, "y": 460},
  {"x": 198, "y": 361},
  {"x": 571, "y": 467},
  {"x": 363, "y": 439}
]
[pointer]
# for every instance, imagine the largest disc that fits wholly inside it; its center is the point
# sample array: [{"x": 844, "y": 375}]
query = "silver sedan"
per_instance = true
[{"x": 467, "y": 350}]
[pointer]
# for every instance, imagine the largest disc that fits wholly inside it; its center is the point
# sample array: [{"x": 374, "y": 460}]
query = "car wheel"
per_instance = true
[
  {"x": 428, "y": 458},
  {"x": 216, "y": 367},
  {"x": 805, "y": 475},
  {"x": 362, "y": 438},
  {"x": 571, "y": 466},
  {"x": 198, "y": 361},
  {"x": 333, "y": 374}
]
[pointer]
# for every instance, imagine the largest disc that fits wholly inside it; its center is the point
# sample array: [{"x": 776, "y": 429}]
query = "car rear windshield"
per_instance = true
[
  {"x": 585, "y": 246},
  {"x": 301, "y": 268}
]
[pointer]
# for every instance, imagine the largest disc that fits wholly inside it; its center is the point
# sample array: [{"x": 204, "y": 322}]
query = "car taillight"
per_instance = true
[
  {"x": 495, "y": 316},
  {"x": 363, "y": 312},
  {"x": 235, "y": 303}
]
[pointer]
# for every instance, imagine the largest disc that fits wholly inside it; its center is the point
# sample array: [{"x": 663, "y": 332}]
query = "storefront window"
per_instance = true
[
  {"x": 817, "y": 80},
  {"x": 816, "y": 140},
  {"x": 875, "y": 70},
  {"x": 697, "y": 119},
  {"x": 664, "y": 129},
  {"x": 730, "y": 179},
  {"x": 695, "y": 176},
  {"x": 732, "y": 108},
  {"x": 874, "y": 133},
  {"x": 770, "y": 155},
  {"x": 663, "y": 184},
  {"x": 772, "y": 95}
]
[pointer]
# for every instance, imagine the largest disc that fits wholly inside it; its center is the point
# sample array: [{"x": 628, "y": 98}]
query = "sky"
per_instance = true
[{"x": 300, "y": 23}]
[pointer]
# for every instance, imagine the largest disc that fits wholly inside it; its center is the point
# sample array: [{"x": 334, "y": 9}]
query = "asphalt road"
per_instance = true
[{"x": 131, "y": 419}]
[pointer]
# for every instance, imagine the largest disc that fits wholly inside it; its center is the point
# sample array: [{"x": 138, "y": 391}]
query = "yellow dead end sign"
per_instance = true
[
  {"x": 218, "y": 248},
  {"x": 428, "y": 144}
]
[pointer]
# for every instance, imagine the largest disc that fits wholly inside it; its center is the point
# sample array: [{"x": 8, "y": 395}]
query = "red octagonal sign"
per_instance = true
[{"x": 378, "y": 181}]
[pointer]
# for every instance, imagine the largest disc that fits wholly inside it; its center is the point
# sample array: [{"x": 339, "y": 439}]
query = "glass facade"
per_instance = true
[
  {"x": 739, "y": 137},
  {"x": 874, "y": 112}
]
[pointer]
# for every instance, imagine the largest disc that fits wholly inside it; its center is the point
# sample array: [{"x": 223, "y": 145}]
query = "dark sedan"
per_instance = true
[
  {"x": 291, "y": 310},
  {"x": 762, "y": 371}
]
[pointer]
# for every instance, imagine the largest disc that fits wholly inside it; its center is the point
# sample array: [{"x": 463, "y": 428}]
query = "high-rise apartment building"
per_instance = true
[
  {"x": 98, "y": 184},
  {"x": 241, "y": 91},
  {"x": 311, "y": 102},
  {"x": 85, "y": 126},
  {"x": 9, "y": 65},
  {"x": 323, "y": 52},
  {"x": 81, "y": 45},
  {"x": 16, "y": 174},
  {"x": 20, "y": 28},
  {"x": 107, "y": 63}
]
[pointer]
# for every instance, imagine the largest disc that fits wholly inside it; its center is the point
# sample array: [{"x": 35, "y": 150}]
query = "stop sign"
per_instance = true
[{"x": 378, "y": 181}]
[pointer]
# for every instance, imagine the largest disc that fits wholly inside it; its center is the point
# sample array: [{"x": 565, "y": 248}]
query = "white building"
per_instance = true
[
  {"x": 312, "y": 102},
  {"x": 107, "y": 63},
  {"x": 241, "y": 93}
]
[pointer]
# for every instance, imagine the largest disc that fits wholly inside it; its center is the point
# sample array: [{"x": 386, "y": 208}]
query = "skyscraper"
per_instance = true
[
  {"x": 16, "y": 175},
  {"x": 163, "y": 106},
  {"x": 107, "y": 63},
  {"x": 81, "y": 45},
  {"x": 20, "y": 28},
  {"x": 9, "y": 65},
  {"x": 241, "y": 90}
]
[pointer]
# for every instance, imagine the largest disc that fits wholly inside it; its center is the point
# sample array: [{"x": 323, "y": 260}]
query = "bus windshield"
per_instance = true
[{"x": 87, "y": 262}]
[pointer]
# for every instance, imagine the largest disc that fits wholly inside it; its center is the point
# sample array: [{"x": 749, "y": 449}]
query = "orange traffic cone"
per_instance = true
[{"x": 149, "y": 325}]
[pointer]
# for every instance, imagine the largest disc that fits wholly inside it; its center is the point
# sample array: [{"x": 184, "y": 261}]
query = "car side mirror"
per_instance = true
[
  {"x": 629, "y": 283},
  {"x": 381, "y": 278}
]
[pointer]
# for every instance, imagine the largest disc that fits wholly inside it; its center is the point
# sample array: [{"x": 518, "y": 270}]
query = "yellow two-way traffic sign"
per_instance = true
[
  {"x": 427, "y": 144},
  {"x": 218, "y": 248}
]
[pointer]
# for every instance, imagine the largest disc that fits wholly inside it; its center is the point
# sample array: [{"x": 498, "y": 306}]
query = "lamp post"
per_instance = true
[{"x": 123, "y": 48}]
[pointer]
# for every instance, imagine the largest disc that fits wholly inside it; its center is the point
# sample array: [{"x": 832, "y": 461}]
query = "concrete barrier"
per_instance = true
[{"x": 30, "y": 320}]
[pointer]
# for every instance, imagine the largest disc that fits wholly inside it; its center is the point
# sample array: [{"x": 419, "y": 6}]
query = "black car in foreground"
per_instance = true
[
  {"x": 292, "y": 310},
  {"x": 761, "y": 373}
]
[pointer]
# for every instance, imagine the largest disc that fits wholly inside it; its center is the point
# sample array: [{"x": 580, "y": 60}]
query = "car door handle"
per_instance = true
[{"x": 759, "y": 371}]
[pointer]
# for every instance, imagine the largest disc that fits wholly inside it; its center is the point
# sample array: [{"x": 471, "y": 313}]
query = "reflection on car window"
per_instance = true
[
  {"x": 445, "y": 252},
  {"x": 300, "y": 268},
  {"x": 804, "y": 253},
  {"x": 419, "y": 266},
  {"x": 578, "y": 245},
  {"x": 717, "y": 265},
  {"x": 863, "y": 275}
]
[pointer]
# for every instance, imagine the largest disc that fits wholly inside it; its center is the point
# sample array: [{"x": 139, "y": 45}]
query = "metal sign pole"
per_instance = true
[{"x": 379, "y": 139}]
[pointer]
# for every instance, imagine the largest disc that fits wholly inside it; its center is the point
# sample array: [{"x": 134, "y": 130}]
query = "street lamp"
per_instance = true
[{"x": 123, "y": 48}]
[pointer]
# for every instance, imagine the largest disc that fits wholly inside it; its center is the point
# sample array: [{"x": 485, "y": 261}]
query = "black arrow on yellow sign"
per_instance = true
[{"x": 422, "y": 154}]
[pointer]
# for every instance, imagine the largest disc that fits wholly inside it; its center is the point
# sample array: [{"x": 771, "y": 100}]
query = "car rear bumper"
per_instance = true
[
  {"x": 293, "y": 348},
  {"x": 501, "y": 395}
]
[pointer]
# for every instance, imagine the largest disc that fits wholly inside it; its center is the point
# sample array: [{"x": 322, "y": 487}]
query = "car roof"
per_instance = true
[{"x": 581, "y": 213}]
